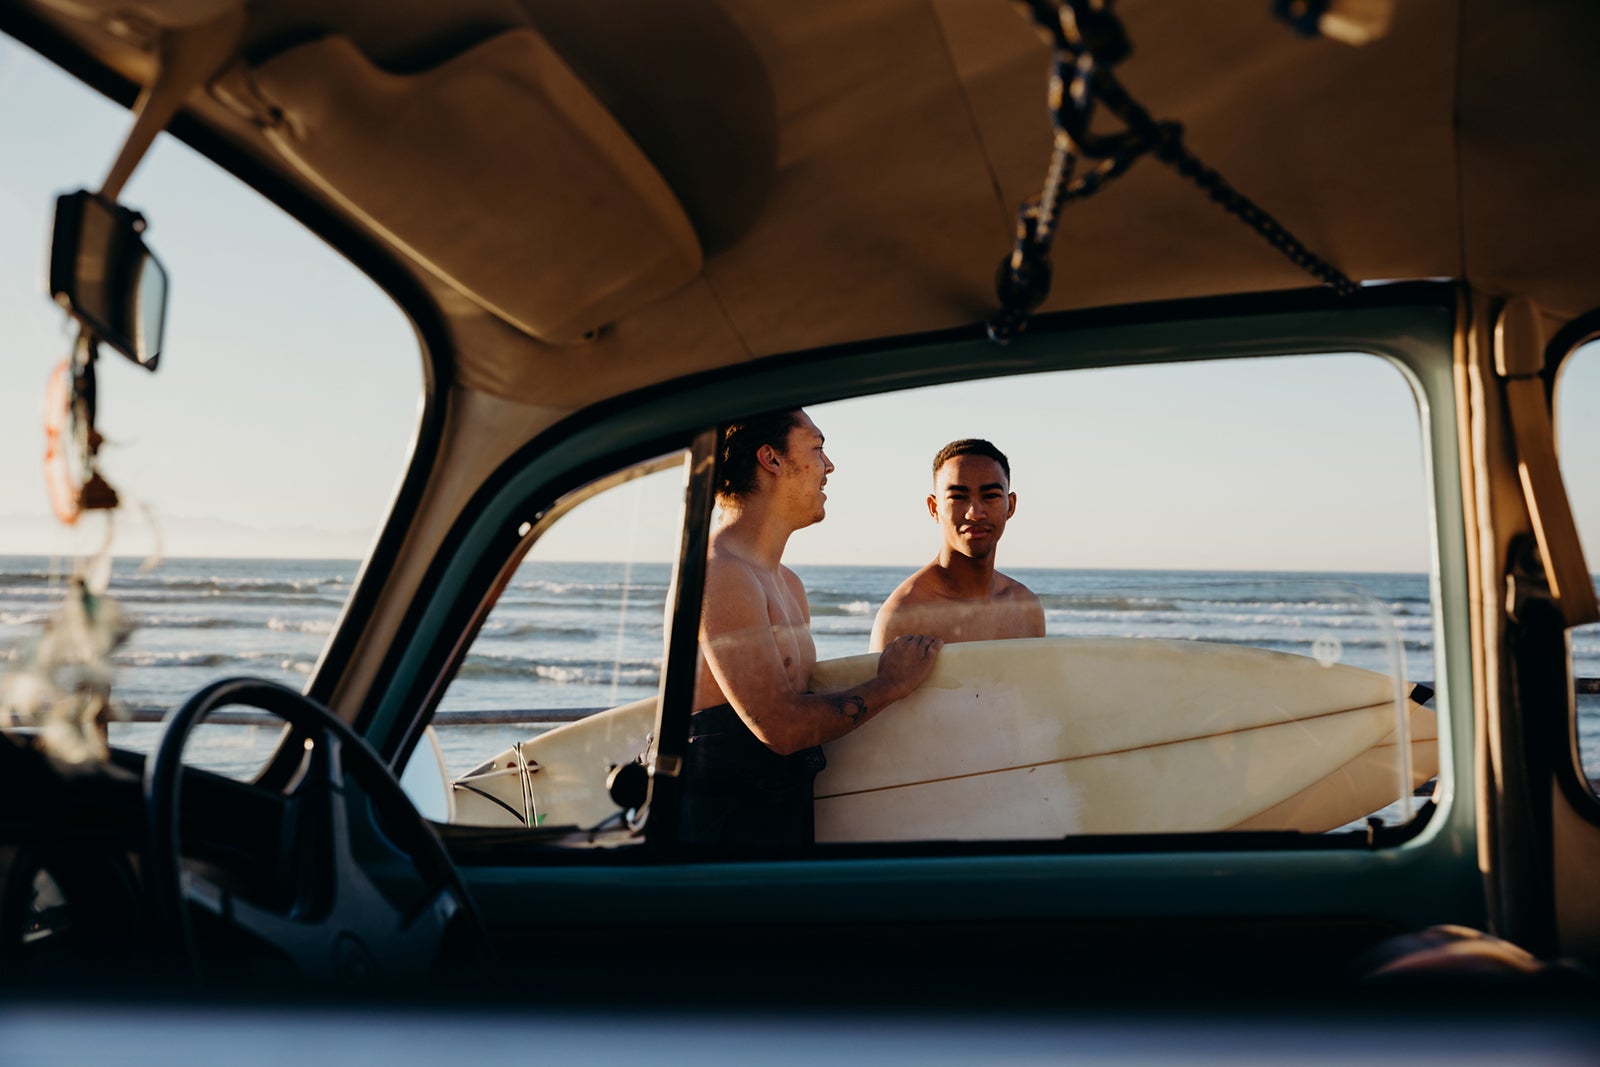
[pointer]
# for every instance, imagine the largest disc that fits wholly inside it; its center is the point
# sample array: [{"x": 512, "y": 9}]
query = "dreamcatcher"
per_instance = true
[{"x": 59, "y": 683}]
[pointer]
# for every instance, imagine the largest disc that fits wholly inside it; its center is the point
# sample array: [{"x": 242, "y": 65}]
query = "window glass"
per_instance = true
[
  {"x": 579, "y": 629},
  {"x": 253, "y": 467},
  {"x": 1578, "y": 441},
  {"x": 1229, "y": 562}
]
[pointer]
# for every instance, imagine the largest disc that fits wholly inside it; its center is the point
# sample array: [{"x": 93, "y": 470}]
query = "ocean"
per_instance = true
[{"x": 588, "y": 635}]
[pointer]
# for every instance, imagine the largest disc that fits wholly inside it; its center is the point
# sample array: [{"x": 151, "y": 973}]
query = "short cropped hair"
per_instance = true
[
  {"x": 971, "y": 446},
  {"x": 738, "y": 444}
]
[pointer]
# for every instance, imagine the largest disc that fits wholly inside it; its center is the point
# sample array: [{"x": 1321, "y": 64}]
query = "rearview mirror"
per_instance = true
[{"x": 104, "y": 276}]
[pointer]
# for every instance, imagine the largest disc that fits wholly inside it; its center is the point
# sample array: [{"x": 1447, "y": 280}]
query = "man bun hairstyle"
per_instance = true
[
  {"x": 971, "y": 446},
  {"x": 738, "y": 444}
]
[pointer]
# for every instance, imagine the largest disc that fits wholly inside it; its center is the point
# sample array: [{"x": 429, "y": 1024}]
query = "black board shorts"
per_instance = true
[{"x": 737, "y": 791}]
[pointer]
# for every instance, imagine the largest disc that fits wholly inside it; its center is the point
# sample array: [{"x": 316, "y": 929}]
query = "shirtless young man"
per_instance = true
[
  {"x": 754, "y": 735},
  {"x": 960, "y": 596}
]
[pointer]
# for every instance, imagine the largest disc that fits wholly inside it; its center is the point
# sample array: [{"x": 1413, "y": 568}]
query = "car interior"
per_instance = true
[{"x": 1279, "y": 310}]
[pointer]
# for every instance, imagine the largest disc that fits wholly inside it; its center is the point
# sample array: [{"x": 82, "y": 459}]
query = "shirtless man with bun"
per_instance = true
[
  {"x": 753, "y": 737},
  {"x": 960, "y": 596}
]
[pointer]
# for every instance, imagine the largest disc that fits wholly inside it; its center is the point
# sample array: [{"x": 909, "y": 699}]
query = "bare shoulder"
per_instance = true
[
  {"x": 792, "y": 580},
  {"x": 917, "y": 589},
  {"x": 1010, "y": 587},
  {"x": 898, "y": 613},
  {"x": 733, "y": 591},
  {"x": 1024, "y": 600},
  {"x": 797, "y": 589},
  {"x": 729, "y": 568}
]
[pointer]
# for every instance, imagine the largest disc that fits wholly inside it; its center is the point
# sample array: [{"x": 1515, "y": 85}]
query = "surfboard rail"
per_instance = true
[{"x": 1046, "y": 738}]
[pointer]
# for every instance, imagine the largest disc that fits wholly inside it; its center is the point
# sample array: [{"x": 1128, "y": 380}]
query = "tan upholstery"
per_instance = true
[
  {"x": 851, "y": 168},
  {"x": 497, "y": 170}
]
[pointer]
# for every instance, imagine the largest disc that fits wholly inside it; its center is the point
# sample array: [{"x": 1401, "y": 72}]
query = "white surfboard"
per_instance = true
[
  {"x": 1042, "y": 738},
  {"x": 1045, "y": 738},
  {"x": 557, "y": 778}
]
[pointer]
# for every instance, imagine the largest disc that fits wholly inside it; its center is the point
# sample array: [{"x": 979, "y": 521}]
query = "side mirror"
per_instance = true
[{"x": 104, "y": 276}]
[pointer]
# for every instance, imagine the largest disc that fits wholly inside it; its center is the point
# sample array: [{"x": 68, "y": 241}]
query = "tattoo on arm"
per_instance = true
[{"x": 852, "y": 708}]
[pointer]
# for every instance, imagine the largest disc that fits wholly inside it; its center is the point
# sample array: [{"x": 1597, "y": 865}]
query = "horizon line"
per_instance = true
[{"x": 360, "y": 561}]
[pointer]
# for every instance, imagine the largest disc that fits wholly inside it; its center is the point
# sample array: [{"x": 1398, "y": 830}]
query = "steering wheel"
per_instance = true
[{"x": 340, "y": 926}]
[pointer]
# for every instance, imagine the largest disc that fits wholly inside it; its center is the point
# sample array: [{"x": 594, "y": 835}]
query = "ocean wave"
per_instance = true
[
  {"x": 1410, "y": 644},
  {"x": 1262, "y": 622},
  {"x": 216, "y": 585},
  {"x": 244, "y": 662},
  {"x": 569, "y": 588},
  {"x": 841, "y": 626},
  {"x": 23, "y": 618},
  {"x": 533, "y": 629},
  {"x": 1330, "y": 621},
  {"x": 579, "y": 676},
  {"x": 1189, "y": 599},
  {"x": 1093, "y": 602},
  {"x": 37, "y": 595},
  {"x": 126, "y": 586},
  {"x": 1298, "y": 645},
  {"x": 310, "y": 601},
  {"x": 1307, "y": 606},
  {"x": 171, "y": 659},
  {"x": 848, "y": 607},
  {"x": 190, "y": 622},
  {"x": 275, "y": 659},
  {"x": 152, "y": 621},
  {"x": 31, "y": 579},
  {"x": 648, "y": 604},
  {"x": 566, "y": 672},
  {"x": 300, "y": 626}
]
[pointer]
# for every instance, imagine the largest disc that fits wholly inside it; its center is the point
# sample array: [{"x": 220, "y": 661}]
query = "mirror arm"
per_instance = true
[{"x": 189, "y": 56}]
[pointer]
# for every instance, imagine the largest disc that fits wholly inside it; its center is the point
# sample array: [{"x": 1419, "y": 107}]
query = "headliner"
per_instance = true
[{"x": 814, "y": 174}]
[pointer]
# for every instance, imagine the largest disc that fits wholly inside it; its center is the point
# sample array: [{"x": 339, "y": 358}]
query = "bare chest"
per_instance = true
[
  {"x": 791, "y": 632},
  {"x": 964, "y": 619}
]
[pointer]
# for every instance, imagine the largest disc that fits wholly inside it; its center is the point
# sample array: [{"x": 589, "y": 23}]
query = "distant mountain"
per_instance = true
[{"x": 133, "y": 534}]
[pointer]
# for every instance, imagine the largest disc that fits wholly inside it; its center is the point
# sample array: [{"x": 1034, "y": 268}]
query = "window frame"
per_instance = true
[
  {"x": 1570, "y": 774},
  {"x": 476, "y": 613},
  {"x": 1413, "y": 326}
]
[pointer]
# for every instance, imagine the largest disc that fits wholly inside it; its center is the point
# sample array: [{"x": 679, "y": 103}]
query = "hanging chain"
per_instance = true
[{"x": 1088, "y": 41}]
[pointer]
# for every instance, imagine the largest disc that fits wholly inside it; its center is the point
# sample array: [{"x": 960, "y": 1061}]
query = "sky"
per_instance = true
[
  {"x": 1335, "y": 487},
  {"x": 288, "y": 393}
]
